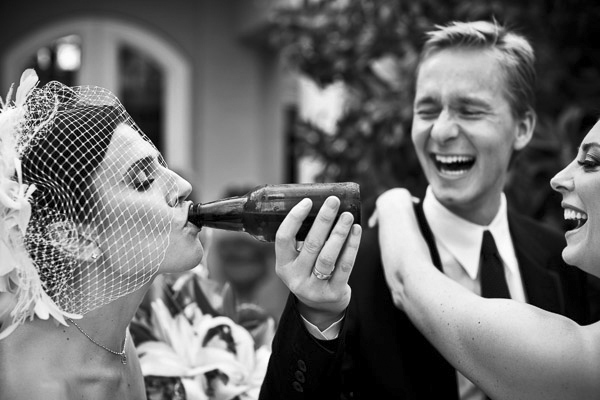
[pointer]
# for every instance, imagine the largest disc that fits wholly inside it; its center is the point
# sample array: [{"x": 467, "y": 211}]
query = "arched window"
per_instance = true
[{"x": 148, "y": 74}]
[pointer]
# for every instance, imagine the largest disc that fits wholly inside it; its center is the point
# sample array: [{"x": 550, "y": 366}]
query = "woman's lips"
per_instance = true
[{"x": 574, "y": 218}]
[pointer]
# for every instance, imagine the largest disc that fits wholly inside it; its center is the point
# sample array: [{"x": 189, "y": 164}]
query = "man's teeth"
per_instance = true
[
  {"x": 454, "y": 164},
  {"x": 452, "y": 159}
]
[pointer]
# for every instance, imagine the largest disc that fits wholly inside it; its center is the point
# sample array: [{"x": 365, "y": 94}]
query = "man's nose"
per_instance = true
[{"x": 444, "y": 127}]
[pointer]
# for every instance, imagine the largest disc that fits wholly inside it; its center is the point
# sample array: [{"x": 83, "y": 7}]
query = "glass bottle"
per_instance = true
[{"x": 261, "y": 211}]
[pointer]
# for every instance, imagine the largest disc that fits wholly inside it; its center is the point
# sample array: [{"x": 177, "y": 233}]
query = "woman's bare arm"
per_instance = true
[{"x": 511, "y": 350}]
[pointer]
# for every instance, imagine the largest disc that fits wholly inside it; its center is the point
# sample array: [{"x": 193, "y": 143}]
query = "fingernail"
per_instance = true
[
  {"x": 305, "y": 203},
  {"x": 346, "y": 218},
  {"x": 356, "y": 229},
  {"x": 331, "y": 202}
]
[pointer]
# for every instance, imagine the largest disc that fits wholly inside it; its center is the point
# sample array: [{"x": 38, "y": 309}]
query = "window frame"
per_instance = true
[{"x": 101, "y": 38}]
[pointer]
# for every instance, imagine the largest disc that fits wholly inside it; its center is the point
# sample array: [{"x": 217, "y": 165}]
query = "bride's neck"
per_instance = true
[
  {"x": 107, "y": 324},
  {"x": 66, "y": 348}
]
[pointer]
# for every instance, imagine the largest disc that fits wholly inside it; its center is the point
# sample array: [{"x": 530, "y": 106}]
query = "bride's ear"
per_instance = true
[
  {"x": 87, "y": 246},
  {"x": 79, "y": 241}
]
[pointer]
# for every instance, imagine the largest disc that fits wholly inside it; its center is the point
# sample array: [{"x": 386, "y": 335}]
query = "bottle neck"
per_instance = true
[{"x": 224, "y": 214}]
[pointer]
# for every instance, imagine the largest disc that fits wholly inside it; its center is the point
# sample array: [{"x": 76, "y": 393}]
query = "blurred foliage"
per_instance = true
[{"x": 372, "y": 46}]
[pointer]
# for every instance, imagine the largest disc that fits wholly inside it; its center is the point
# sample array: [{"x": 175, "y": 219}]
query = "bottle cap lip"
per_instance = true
[{"x": 193, "y": 217}]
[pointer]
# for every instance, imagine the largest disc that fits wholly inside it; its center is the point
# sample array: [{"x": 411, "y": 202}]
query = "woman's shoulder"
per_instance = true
[
  {"x": 48, "y": 365},
  {"x": 29, "y": 379}
]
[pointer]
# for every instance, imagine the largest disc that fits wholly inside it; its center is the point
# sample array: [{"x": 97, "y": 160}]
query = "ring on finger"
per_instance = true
[{"x": 320, "y": 275}]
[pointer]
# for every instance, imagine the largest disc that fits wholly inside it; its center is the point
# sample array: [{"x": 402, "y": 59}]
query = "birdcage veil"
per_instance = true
[{"x": 71, "y": 244}]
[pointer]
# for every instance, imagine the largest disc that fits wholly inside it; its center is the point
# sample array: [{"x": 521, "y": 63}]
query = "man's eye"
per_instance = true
[
  {"x": 470, "y": 113},
  {"x": 427, "y": 113}
]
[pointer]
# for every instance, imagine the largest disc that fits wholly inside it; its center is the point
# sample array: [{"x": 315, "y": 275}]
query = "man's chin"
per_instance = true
[{"x": 450, "y": 194}]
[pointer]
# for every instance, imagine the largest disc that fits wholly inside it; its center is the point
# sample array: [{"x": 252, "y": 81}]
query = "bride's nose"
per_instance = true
[{"x": 180, "y": 191}]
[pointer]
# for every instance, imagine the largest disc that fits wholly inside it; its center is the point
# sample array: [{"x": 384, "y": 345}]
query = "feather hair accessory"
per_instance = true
[{"x": 22, "y": 295}]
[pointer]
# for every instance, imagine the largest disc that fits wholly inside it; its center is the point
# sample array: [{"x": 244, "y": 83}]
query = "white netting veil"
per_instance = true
[{"x": 89, "y": 235}]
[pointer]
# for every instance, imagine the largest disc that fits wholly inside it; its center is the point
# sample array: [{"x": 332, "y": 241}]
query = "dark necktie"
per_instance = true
[{"x": 493, "y": 280}]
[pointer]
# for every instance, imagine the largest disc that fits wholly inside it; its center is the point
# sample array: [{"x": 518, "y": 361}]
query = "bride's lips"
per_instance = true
[{"x": 187, "y": 223}]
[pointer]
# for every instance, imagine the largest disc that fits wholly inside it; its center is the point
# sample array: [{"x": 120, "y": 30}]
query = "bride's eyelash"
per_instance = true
[
  {"x": 141, "y": 175},
  {"x": 142, "y": 183}
]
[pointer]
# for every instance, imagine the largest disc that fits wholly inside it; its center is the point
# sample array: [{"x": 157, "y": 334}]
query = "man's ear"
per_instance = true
[{"x": 525, "y": 128}]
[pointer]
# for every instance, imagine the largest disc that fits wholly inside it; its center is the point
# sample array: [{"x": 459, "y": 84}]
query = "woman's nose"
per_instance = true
[
  {"x": 563, "y": 181},
  {"x": 444, "y": 128},
  {"x": 185, "y": 188},
  {"x": 180, "y": 191}
]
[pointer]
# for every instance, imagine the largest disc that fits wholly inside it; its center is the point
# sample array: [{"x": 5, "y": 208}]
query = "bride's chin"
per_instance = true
[
  {"x": 194, "y": 261},
  {"x": 182, "y": 262}
]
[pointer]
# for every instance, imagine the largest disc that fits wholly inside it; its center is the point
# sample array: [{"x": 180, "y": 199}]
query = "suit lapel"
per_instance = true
[{"x": 542, "y": 285}]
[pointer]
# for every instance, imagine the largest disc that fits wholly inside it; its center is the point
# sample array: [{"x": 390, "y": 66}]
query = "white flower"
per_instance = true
[{"x": 214, "y": 356}]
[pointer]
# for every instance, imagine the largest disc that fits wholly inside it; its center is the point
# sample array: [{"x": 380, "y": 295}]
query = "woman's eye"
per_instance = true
[
  {"x": 142, "y": 181},
  {"x": 589, "y": 162}
]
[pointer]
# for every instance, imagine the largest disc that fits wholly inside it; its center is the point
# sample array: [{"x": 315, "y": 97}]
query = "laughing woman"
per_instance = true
[{"x": 510, "y": 349}]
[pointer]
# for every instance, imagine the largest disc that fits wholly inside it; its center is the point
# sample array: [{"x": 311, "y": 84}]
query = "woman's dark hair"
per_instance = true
[{"x": 63, "y": 162}]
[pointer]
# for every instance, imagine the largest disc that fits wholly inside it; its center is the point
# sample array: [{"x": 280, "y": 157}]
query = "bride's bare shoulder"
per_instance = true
[
  {"x": 32, "y": 364},
  {"x": 23, "y": 378},
  {"x": 46, "y": 361}
]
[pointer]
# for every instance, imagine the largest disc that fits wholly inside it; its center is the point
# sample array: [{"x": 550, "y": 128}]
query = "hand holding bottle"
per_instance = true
[{"x": 324, "y": 252}]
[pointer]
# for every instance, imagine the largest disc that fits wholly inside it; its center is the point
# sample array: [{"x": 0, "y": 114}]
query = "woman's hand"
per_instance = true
[
  {"x": 317, "y": 273},
  {"x": 400, "y": 240}
]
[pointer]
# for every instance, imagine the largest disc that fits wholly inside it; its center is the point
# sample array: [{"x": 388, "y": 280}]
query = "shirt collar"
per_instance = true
[{"x": 463, "y": 238}]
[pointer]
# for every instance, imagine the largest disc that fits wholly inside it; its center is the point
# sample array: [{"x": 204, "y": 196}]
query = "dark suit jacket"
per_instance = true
[{"x": 380, "y": 351}]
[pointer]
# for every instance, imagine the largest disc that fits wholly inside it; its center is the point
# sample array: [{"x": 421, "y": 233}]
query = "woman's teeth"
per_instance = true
[{"x": 575, "y": 219}]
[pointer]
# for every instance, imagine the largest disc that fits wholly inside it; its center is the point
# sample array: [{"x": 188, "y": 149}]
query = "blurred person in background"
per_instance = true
[{"x": 244, "y": 266}]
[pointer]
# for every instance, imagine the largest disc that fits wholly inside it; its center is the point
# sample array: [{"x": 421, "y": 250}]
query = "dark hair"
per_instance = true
[{"x": 63, "y": 162}]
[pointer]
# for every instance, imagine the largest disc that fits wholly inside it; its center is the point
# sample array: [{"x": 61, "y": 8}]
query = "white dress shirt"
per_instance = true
[{"x": 459, "y": 244}]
